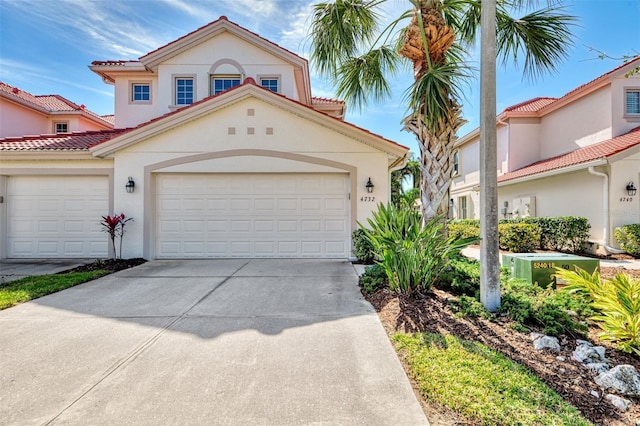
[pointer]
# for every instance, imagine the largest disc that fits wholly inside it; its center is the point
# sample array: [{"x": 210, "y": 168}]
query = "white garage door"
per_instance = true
[
  {"x": 252, "y": 215},
  {"x": 56, "y": 216}
]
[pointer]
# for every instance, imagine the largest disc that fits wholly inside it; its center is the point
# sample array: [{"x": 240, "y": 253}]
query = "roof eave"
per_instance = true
[
  {"x": 238, "y": 94},
  {"x": 555, "y": 172}
]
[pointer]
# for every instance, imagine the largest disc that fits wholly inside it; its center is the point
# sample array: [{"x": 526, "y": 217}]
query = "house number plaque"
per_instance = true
[
  {"x": 368, "y": 199},
  {"x": 626, "y": 199}
]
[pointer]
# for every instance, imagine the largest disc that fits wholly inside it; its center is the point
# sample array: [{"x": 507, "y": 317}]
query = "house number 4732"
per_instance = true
[
  {"x": 368, "y": 199},
  {"x": 626, "y": 199}
]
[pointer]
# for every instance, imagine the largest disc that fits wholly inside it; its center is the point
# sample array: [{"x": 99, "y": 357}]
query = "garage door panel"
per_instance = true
[
  {"x": 245, "y": 215},
  {"x": 56, "y": 216}
]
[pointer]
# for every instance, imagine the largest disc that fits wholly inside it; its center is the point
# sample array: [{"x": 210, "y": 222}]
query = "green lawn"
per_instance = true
[
  {"x": 25, "y": 289},
  {"x": 482, "y": 384}
]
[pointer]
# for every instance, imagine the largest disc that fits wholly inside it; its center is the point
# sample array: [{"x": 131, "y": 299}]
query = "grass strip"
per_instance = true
[
  {"x": 482, "y": 384},
  {"x": 28, "y": 288}
]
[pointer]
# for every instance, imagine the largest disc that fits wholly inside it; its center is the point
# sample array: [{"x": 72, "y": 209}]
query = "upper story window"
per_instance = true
[
  {"x": 61, "y": 127},
  {"x": 632, "y": 101},
  {"x": 220, "y": 83},
  {"x": 270, "y": 83},
  {"x": 140, "y": 92},
  {"x": 456, "y": 163},
  {"x": 184, "y": 90}
]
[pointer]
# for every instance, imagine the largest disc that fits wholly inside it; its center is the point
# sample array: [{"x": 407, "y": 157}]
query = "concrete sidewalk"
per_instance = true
[
  {"x": 237, "y": 342},
  {"x": 14, "y": 269}
]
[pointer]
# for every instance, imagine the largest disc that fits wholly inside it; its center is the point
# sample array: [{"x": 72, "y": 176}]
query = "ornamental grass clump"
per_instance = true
[
  {"x": 413, "y": 253},
  {"x": 617, "y": 302}
]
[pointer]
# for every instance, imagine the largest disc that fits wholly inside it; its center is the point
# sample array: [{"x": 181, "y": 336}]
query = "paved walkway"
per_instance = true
[
  {"x": 14, "y": 269},
  {"x": 237, "y": 342}
]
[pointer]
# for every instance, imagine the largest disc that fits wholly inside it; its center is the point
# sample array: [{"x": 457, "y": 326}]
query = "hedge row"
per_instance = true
[
  {"x": 565, "y": 233},
  {"x": 628, "y": 236}
]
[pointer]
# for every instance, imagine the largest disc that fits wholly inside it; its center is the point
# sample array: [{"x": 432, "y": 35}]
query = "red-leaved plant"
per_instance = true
[{"x": 114, "y": 226}]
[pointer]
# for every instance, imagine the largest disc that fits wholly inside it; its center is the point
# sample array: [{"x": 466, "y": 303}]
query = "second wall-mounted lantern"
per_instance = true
[
  {"x": 130, "y": 185},
  {"x": 631, "y": 189},
  {"x": 369, "y": 185}
]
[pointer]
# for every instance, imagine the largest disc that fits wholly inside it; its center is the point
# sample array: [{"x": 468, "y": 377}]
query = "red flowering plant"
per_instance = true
[{"x": 114, "y": 226}]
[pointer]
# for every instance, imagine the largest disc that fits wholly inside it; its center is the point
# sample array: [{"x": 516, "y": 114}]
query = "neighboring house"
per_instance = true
[
  {"x": 230, "y": 155},
  {"x": 26, "y": 114},
  {"x": 573, "y": 155}
]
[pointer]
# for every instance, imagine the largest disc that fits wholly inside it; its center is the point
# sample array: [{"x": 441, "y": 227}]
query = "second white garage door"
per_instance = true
[{"x": 252, "y": 215}]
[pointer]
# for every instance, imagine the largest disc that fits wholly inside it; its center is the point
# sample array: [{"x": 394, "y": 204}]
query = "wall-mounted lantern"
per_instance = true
[
  {"x": 369, "y": 185},
  {"x": 631, "y": 189},
  {"x": 130, "y": 185}
]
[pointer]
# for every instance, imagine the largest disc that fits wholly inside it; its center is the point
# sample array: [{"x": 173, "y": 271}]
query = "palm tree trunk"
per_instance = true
[{"x": 436, "y": 165}]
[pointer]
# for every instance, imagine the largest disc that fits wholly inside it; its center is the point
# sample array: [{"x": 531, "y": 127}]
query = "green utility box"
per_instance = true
[{"x": 540, "y": 268}]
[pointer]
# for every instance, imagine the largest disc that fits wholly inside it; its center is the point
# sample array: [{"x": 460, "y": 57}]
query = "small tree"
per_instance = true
[{"x": 114, "y": 226}]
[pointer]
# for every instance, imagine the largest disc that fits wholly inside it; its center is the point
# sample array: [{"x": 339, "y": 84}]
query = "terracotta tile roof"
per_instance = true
[
  {"x": 48, "y": 103},
  {"x": 222, "y": 18},
  {"x": 325, "y": 101},
  {"x": 531, "y": 105},
  {"x": 118, "y": 63},
  {"x": 579, "y": 156},
  {"x": 111, "y": 118},
  {"x": 251, "y": 81},
  {"x": 79, "y": 141}
]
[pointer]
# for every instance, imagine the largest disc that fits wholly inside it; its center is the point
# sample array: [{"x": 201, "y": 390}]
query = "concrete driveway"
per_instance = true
[{"x": 238, "y": 342}]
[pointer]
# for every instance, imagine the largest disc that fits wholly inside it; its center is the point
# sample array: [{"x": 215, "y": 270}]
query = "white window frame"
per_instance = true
[
  {"x": 270, "y": 77},
  {"x": 631, "y": 115},
  {"x": 463, "y": 207},
  {"x": 132, "y": 99},
  {"x": 175, "y": 79},
  {"x": 214, "y": 77},
  {"x": 55, "y": 127},
  {"x": 455, "y": 159}
]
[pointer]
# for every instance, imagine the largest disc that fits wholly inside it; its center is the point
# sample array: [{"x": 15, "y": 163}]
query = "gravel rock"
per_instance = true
[
  {"x": 547, "y": 342},
  {"x": 598, "y": 367},
  {"x": 619, "y": 402},
  {"x": 624, "y": 379}
]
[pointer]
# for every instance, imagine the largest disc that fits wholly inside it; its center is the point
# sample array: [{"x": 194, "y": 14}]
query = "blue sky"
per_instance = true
[{"x": 47, "y": 45}]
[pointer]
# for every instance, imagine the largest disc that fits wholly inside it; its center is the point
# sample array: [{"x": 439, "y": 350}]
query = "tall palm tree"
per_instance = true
[{"x": 348, "y": 45}]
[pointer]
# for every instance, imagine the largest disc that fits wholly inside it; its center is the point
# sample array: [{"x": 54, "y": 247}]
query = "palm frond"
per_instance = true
[
  {"x": 338, "y": 31},
  {"x": 364, "y": 77},
  {"x": 434, "y": 92},
  {"x": 544, "y": 37}
]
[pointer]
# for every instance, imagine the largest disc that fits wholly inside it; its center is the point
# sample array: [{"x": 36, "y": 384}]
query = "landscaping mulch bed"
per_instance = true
[
  {"x": 418, "y": 313},
  {"x": 111, "y": 265}
]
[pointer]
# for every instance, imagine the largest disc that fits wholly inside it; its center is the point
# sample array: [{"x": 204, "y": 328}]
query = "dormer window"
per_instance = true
[
  {"x": 61, "y": 127},
  {"x": 184, "y": 90},
  {"x": 270, "y": 83},
  {"x": 632, "y": 102},
  {"x": 140, "y": 92},
  {"x": 220, "y": 83}
]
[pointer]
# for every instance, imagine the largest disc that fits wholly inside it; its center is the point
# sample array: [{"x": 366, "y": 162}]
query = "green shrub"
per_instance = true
[
  {"x": 562, "y": 233},
  {"x": 412, "y": 254},
  {"x": 464, "y": 228},
  {"x": 528, "y": 304},
  {"x": 617, "y": 302},
  {"x": 461, "y": 276},
  {"x": 519, "y": 237},
  {"x": 373, "y": 278},
  {"x": 628, "y": 236},
  {"x": 469, "y": 307},
  {"x": 362, "y": 247}
]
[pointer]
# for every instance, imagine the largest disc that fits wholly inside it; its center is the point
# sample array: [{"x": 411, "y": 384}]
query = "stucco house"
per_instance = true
[
  {"x": 27, "y": 114},
  {"x": 229, "y": 153},
  {"x": 577, "y": 155}
]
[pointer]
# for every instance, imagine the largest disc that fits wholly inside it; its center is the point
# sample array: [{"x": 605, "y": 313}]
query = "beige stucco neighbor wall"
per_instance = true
[
  {"x": 624, "y": 209},
  {"x": 583, "y": 122},
  {"x": 16, "y": 121},
  {"x": 572, "y": 194},
  {"x": 621, "y": 122},
  {"x": 249, "y": 136},
  {"x": 128, "y": 113}
]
